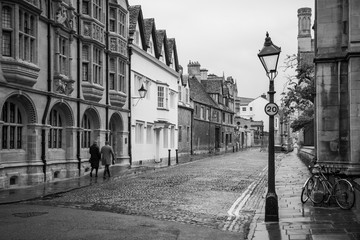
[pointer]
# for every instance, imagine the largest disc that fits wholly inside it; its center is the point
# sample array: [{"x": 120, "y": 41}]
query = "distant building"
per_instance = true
[
  {"x": 254, "y": 109},
  {"x": 185, "y": 117},
  {"x": 213, "y": 103}
]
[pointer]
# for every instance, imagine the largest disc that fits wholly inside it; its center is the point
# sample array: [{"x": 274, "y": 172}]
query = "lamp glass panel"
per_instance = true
[{"x": 270, "y": 62}]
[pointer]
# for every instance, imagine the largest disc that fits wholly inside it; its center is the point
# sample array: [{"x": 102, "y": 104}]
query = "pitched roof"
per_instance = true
[
  {"x": 162, "y": 40},
  {"x": 199, "y": 94},
  {"x": 172, "y": 50},
  {"x": 134, "y": 17},
  {"x": 213, "y": 86},
  {"x": 149, "y": 24},
  {"x": 245, "y": 101}
]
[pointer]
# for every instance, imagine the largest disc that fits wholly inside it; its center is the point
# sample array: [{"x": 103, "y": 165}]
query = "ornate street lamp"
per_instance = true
[
  {"x": 269, "y": 57},
  {"x": 142, "y": 93}
]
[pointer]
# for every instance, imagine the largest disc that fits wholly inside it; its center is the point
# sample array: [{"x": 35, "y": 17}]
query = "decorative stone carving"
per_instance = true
[
  {"x": 63, "y": 85},
  {"x": 64, "y": 16}
]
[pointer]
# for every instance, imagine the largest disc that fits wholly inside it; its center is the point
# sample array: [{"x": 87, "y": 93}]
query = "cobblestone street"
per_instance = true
[{"x": 211, "y": 192}]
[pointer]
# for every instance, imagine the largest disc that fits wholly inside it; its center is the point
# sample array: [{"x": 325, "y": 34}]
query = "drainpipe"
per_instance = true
[
  {"x": 78, "y": 140},
  {"x": 48, "y": 99},
  {"x": 107, "y": 72},
  {"x": 129, "y": 99},
  {"x": 191, "y": 134}
]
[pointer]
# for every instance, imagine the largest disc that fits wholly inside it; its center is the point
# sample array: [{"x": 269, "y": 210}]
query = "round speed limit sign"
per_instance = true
[{"x": 271, "y": 109}]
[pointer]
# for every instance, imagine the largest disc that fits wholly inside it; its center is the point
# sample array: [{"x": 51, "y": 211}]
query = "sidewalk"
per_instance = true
[
  {"x": 302, "y": 221},
  {"x": 15, "y": 195}
]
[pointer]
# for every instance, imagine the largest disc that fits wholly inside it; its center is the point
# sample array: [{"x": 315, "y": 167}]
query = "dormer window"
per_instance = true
[
  {"x": 162, "y": 56},
  {"x": 137, "y": 36}
]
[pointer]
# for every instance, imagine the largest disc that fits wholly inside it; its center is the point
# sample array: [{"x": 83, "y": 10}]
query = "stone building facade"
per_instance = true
[
  {"x": 63, "y": 85},
  {"x": 337, "y": 69},
  {"x": 213, "y": 101}
]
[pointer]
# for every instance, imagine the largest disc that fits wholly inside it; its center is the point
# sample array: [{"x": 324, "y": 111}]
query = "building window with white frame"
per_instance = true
[
  {"x": 13, "y": 126},
  {"x": 7, "y": 31},
  {"x": 139, "y": 128},
  {"x": 202, "y": 113},
  {"x": 161, "y": 97}
]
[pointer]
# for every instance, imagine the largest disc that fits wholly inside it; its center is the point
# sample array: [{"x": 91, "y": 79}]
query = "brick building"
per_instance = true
[{"x": 213, "y": 117}]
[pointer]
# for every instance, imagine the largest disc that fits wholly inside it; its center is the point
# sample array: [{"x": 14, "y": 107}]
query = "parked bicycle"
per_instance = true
[{"x": 319, "y": 189}]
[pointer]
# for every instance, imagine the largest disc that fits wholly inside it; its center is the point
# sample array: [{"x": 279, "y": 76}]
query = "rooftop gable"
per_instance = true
[
  {"x": 199, "y": 94},
  {"x": 150, "y": 32},
  {"x": 136, "y": 19},
  {"x": 172, "y": 51},
  {"x": 162, "y": 45}
]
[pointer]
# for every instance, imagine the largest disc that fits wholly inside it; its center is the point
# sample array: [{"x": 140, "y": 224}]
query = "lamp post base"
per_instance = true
[{"x": 271, "y": 208}]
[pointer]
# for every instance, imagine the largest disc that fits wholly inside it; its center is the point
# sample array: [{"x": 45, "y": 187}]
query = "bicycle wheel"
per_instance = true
[
  {"x": 306, "y": 189},
  {"x": 344, "y": 194},
  {"x": 317, "y": 190}
]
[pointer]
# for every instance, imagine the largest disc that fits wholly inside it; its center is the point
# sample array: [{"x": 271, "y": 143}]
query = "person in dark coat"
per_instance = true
[{"x": 95, "y": 157}]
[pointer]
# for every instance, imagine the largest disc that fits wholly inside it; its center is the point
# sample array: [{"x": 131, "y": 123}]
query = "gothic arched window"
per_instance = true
[{"x": 13, "y": 126}]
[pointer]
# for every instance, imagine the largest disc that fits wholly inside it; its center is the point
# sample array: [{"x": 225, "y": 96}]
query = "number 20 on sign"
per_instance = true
[{"x": 271, "y": 109}]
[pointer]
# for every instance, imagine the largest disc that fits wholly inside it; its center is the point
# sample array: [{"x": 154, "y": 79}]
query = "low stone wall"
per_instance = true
[{"x": 307, "y": 155}]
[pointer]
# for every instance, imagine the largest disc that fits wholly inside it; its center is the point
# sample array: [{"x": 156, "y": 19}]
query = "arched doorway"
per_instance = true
[{"x": 116, "y": 136}]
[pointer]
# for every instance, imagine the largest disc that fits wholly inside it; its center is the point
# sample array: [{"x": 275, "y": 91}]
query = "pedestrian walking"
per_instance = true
[
  {"x": 107, "y": 157},
  {"x": 95, "y": 157}
]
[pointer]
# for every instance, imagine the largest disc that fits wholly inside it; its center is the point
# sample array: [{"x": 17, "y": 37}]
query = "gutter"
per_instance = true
[
  {"x": 48, "y": 99},
  {"x": 78, "y": 140}
]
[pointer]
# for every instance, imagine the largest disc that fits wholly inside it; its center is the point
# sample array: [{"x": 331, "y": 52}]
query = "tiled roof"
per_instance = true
[
  {"x": 171, "y": 44},
  {"x": 245, "y": 101},
  {"x": 134, "y": 16},
  {"x": 212, "y": 86},
  {"x": 160, "y": 36},
  {"x": 199, "y": 94},
  {"x": 149, "y": 24}
]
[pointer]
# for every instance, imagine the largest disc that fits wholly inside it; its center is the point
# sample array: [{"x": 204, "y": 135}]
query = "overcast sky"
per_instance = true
[{"x": 226, "y": 36}]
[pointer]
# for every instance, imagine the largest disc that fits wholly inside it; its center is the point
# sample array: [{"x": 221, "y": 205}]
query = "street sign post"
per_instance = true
[{"x": 271, "y": 109}]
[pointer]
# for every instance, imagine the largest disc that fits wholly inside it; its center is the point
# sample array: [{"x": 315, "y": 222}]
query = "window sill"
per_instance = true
[{"x": 162, "y": 109}]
